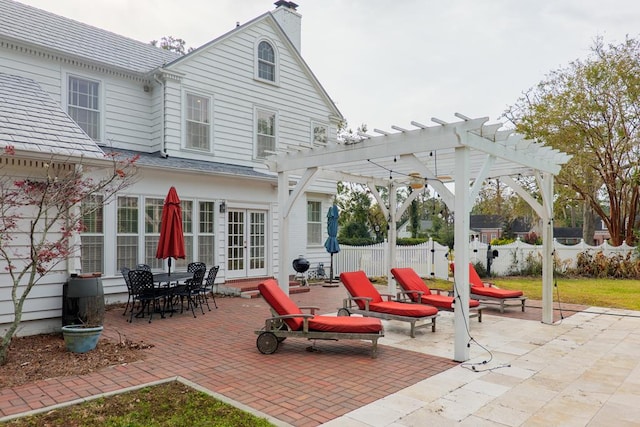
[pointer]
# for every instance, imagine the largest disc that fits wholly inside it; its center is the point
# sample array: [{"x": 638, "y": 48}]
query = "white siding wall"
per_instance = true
[
  {"x": 126, "y": 108},
  {"x": 45, "y": 298},
  {"x": 132, "y": 119},
  {"x": 226, "y": 72}
]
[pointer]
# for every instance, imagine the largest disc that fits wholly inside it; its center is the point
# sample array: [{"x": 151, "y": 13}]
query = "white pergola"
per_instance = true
[{"x": 463, "y": 154}]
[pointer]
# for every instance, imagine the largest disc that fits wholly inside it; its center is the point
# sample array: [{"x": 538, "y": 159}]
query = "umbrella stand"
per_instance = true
[
  {"x": 331, "y": 244},
  {"x": 330, "y": 284}
]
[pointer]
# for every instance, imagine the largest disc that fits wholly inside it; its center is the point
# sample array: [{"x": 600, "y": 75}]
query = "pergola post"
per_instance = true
[
  {"x": 461, "y": 249},
  {"x": 392, "y": 239},
  {"x": 283, "y": 231},
  {"x": 547, "y": 256}
]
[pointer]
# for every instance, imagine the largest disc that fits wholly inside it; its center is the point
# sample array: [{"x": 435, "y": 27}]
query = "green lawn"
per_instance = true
[{"x": 615, "y": 293}]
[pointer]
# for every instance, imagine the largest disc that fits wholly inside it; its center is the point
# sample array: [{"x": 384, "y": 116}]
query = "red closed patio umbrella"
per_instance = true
[{"x": 171, "y": 243}]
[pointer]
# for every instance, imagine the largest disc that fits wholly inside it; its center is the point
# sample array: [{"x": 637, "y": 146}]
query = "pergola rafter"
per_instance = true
[{"x": 454, "y": 158}]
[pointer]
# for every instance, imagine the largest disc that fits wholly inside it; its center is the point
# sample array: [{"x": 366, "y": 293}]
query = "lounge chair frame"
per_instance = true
[
  {"x": 276, "y": 330},
  {"x": 350, "y": 306},
  {"x": 502, "y": 302},
  {"x": 405, "y": 296}
]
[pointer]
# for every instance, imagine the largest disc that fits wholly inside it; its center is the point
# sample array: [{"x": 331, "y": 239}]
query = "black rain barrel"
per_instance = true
[{"x": 83, "y": 300}]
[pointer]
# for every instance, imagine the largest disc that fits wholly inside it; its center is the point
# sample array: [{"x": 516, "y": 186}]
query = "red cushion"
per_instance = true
[
  {"x": 358, "y": 285},
  {"x": 281, "y": 303},
  {"x": 403, "y": 309},
  {"x": 495, "y": 292},
  {"x": 440, "y": 301},
  {"x": 345, "y": 324},
  {"x": 409, "y": 280},
  {"x": 474, "y": 278}
]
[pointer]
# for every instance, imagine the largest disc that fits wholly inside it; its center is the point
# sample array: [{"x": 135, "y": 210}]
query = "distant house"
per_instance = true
[
  {"x": 203, "y": 122},
  {"x": 404, "y": 231},
  {"x": 567, "y": 235},
  {"x": 485, "y": 228}
]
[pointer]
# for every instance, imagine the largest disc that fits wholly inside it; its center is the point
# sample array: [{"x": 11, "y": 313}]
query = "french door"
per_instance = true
[{"x": 246, "y": 243}]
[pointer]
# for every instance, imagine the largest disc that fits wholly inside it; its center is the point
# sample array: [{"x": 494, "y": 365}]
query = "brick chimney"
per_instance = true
[{"x": 290, "y": 21}]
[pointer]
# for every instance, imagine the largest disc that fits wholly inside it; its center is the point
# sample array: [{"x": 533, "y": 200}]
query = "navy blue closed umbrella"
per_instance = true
[{"x": 331, "y": 244}]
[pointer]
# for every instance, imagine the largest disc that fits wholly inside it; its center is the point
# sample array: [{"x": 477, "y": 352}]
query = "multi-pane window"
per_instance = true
[
  {"x": 198, "y": 122},
  {"x": 84, "y": 105},
  {"x": 266, "y": 62},
  {"x": 320, "y": 134},
  {"x": 206, "y": 236},
  {"x": 187, "y": 231},
  {"x": 314, "y": 223},
  {"x": 92, "y": 236},
  {"x": 152, "y": 219},
  {"x": 127, "y": 233},
  {"x": 266, "y": 133}
]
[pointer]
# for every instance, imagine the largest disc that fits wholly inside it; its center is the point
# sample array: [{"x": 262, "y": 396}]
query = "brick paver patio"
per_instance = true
[{"x": 217, "y": 351}]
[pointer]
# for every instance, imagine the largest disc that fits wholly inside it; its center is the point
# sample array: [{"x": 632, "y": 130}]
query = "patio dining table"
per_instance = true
[
  {"x": 174, "y": 277},
  {"x": 166, "y": 284}
]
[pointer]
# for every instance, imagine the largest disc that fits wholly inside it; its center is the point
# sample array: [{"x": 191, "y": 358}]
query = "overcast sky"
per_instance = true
[{"x": 390, "y": 62}]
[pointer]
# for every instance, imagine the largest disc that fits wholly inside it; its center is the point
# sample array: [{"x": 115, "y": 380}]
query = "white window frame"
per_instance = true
[
  {"x": 312, "y": 224},
  {"x": 314, "y": 141},
  {"x": 95, "y": 256},
  {"x": 201, "y": 233},
  {"x": 100, "y": 102},
  {"x": 275, "y": 63},
  {"x": 256, "y": 144},
  {"x": 128, "y": 234},
  {"x": 208, "y": 121},
  {"x": 152, "y": 211}
]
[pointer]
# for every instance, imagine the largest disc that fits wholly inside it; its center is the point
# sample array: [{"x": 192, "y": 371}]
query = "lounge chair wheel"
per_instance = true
[
  {"x": 343, "y": 312},
  {"x": 267, "y": 343}
]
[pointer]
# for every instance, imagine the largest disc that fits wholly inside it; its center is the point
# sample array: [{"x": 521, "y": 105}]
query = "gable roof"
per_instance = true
[
  {"x": 294, "y": 52},
  {"x": 30, "y": 120},
  {"x": 26, "y": 24}
]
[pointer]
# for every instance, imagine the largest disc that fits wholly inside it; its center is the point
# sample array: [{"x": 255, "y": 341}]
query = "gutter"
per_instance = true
[{"x": 163, "y": 151}]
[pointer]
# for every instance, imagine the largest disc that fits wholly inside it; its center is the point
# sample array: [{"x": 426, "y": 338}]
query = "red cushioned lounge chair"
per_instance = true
[
  {"x": 366, "y": 300},
  {"x": 486, "y": 291},
  {"x": 289, "y": 321},
  {"x": 417, "y": 291}
]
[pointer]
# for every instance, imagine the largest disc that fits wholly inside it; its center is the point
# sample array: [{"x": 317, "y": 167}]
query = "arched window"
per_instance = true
[{"x": 266, "y": 62}]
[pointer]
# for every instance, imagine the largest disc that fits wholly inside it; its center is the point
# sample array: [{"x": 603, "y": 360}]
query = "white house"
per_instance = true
[{"x": 202, "y": 122}]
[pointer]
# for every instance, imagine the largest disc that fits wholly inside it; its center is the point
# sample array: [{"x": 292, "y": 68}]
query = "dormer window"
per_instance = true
[{"x": 266, "y": 62}]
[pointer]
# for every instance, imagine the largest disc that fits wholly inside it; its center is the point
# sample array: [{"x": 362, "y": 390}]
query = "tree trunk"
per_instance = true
[{"x": 588, "y": 224}]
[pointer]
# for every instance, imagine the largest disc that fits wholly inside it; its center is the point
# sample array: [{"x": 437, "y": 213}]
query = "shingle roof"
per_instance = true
[
  {"x": 19, "y": 22},
  {"x": 191, "y": 165},
  {"x": 485, "y": 221},
  {"x": 31, "y": 120}
]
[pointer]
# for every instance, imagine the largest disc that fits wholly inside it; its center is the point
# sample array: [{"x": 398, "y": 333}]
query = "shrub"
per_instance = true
[
  {"x": 598, "y": 265},
  {"x": 410, "y": 241}
]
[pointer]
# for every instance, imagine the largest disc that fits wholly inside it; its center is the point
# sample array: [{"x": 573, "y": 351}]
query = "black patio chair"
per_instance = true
[
  {"x": 125, "y": 274},
  {"x": 190, "y": 291},
  {"x": 207, "y": 287},
  {"x": 144, "y": 291},
  {"x": 144, "y": 267}
]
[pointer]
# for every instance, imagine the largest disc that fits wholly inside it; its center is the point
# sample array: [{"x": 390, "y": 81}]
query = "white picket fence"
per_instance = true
[
  {"x": 428, "y": 259},
  {"x": 513, "y": 257}
]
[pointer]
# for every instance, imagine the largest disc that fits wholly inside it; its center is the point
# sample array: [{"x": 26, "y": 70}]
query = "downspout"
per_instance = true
[{"x": 163, "y": 151}]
